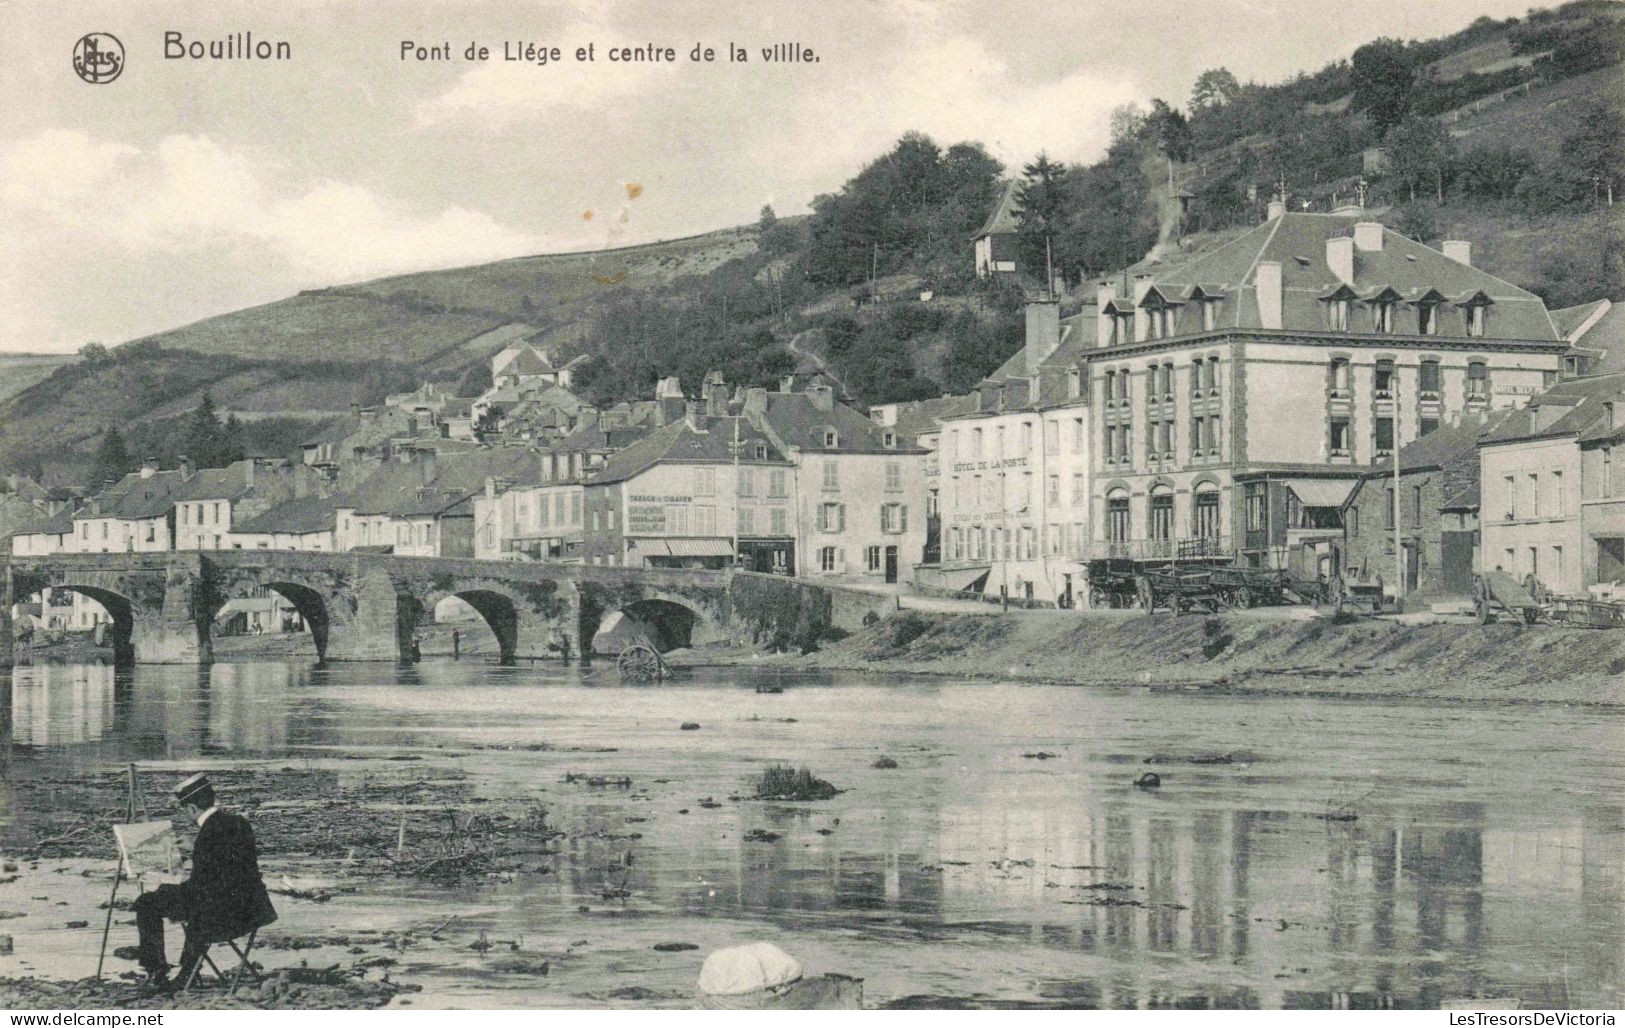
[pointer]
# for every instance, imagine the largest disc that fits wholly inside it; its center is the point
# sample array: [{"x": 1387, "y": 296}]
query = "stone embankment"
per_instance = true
[{"x": 1240, "y": 653}]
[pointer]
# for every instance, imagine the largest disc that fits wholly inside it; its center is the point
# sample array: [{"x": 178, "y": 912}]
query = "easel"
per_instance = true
[{"x": 118, "y": 877}]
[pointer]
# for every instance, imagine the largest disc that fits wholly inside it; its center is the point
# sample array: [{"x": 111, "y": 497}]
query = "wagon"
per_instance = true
[
  {"x": 1498, "y": 591},
  {"x": 1250, "y": 587},
  {"x": 1111, "y": 583},
  {"x": 639, "y": 661},
  {"x": 1586, "y": 613},
  {"x": 1179, "y": 590}
]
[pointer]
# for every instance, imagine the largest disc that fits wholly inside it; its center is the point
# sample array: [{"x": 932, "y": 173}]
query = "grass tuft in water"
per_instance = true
[{"x": 786, "y": 783}]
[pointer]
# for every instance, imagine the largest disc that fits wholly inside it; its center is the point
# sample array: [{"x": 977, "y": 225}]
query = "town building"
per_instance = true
[
  {"x": 424, "y": 506},
  {"x": 1438, "y": 506},
  {"x": 210, "y": 505},
  {"x": 1595, "y": 333},
  {"x": 304, "y": 523},
  {"x": 1239, "y": 396},
  {"x": 1553, "y": 497},
  {"x": 996, "y": 243},
  {"x": 135, "y": 514},
  {"x": 857, "y": 488},
  {"x": 1015, "y": 471},
  {"x": 921, "y": 421},
  {"x": 705, "y": 490}
]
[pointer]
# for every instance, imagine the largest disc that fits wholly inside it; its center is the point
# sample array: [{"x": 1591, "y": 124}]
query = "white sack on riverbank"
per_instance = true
[{"x": 737, "y": 970}]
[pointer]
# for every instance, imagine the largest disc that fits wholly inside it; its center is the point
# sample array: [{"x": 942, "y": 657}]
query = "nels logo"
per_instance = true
[{"x": 98, "y": 57}]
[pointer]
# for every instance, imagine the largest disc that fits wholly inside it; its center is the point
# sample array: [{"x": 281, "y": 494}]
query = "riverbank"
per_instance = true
[{"x": 1240, "y": 652}]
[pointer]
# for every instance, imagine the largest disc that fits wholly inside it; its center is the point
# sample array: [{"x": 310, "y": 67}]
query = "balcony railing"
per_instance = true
[{"x": 1191, "y": 548}]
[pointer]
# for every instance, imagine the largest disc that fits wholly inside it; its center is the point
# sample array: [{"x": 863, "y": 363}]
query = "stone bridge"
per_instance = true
[{"x": 367, "y": 606}]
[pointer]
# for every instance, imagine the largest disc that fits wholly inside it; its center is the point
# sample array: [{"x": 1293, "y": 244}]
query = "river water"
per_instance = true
[{"x": 1356, "y": 853}]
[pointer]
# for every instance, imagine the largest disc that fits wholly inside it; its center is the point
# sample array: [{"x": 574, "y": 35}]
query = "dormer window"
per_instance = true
[
  {"x": 1427, "y": 318},
  {"x": 761, "y": 451},
  {"x": 1074, "y": 383},
  {"x": 1478, "y": 319},
  {"x": 1123, "y": 328},
  {"x": 1210, "y": 314},
  {"x": 1382, "y": 316},
  {"x": 832, "y": 439},
  {"x": 889, "y": 439}
]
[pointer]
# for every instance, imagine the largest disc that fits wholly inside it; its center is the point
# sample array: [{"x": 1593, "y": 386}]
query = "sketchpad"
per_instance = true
[{"x": 737, "y": 970}]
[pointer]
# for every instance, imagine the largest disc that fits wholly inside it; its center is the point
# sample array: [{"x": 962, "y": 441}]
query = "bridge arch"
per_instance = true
[
  {"x": 121, "y": 615},
  {"x": 307, "y": 601},
  {"x": 498, "y": 607},
  {"x": 669, "y": 622}
]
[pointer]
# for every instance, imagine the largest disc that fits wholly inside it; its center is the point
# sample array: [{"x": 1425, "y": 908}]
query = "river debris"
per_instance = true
[
  {"x": 689, "y": 726},
  {"x": 1149, "y": 780},
  {"x": 1040, "y": 755},
  {"x": 300, "y": 988},
  {"x": 762, "y": 835},
  {"x": 780, "y": 782},
  {"x": 884, "y": 763}
]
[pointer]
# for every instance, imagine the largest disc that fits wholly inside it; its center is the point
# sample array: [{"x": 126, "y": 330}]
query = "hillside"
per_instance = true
[{"x": 18, "y": 371}]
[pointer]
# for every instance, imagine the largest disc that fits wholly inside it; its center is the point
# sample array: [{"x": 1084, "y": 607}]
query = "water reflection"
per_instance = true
[{"x": 1498, "y": 874}]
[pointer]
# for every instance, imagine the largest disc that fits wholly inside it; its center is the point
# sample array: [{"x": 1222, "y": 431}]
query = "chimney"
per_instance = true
[
  {"x": 1105, "y": 293},
  {"x": 692, "y": 412},
  {"x": 248, "y": 472},
  {"x": 668, "y": 387},
  {"x": 1458, "y": 250},
  {"x": 1043, "y": 330},
  {"x": 755, "y": 402},
  {"x": 1368, "y": 235},
  {"x": 823, "y": 395},
  {"x": 1276, "y": 209},
  {"x": 714, "y": 393},
  {"x": 426, "y": 465},
  {"x": 184, "y": 464},
  {"x": 1267, "y": 284},
  {"x": 149, "y": 467},
  {"x": 1340, "y": 258}
]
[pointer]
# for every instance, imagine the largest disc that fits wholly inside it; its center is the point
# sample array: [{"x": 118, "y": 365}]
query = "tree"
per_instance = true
[
  {"x": 1125, "y": 121},
  {"x": 112, "y": 460},
  {"x": 487, "y": 424},
  {"x": 1417, "y": 221},
  {"x": 768, "y": 219},
  {"x": 94, "y": 354},
  {"x": 1492, "y": 171},
  {"x": 1170, "y": 130},
  {"x": 1214, "y": 88},
  {"x": 1043, "y": 209},
  {"x": 1596, "y": 153},
  {"x": 203, "y": 439},
  {"x": 1420, "y": 150},
  {"x": 1383, "y": 81}
]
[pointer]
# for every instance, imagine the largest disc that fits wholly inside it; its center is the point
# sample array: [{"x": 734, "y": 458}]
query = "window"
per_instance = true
[
  {"x": 1337, "y": 315},
  {"x": 1341, "y": 441},
  {"x": 832, "y": 439},
  {"x": 1478, "y": 319},
  {"x": 826, "y": 559},
  {"x": 1382, "y": 316},
  {"x": 1427, "y": 319},
  {"x": 1162, "y": 516},
  {"x": 832, "y": 476},
  {"x": 1052, "y": 436},
  {"x": 1117, "y": 517},
  {"x": 1511, "y": 486},
  {"x": 889, "y": 440},
  {"x": 1606, "y": 486},
  {"x": 777, "y": 520},
  {"x": 1388, "y": 508},
  {"x": 893, "y": 518},
  {"x": 1214, "y": 435},
  {"x": 1074, "y": 383},
  {"x": 1353, "y": 522},
  {"x": 1383, "y": 380},
  {"x": 894, "y": 476},
  {"x": 1053, "y": 496},
  {"x": 705, "y": 481},
  {"x": 1077, "y": 435},
  {"x": 1079, "y": 494},
  {"x": 1534, "y": 495},
  {"x": 1110, "y": 392},
  {"x": 1340, "y": 382},
  {"x": 1205, "y": 515},
  {"x": 1257, "y": 506},
  {"x": 1384, "y": 436},
  {"x": 1026, "y": 438},
  {"x": 747, "y": 482},
  {"x": 575, "y": 508},
  {"x": 976, "y": 442},
  {"x": 1210, "y": 315},
  {"x": 1478, "y": 381},
  {"x": 871, "y": 558},
  {"x": 151, "y": 532},
  {"x": 1557, "y": 563},
  {"x": 1213, "y": 376},
  {"x": 186, "y": 514},
  {"x": 1054, "y": 539},
  {"x": 761, "y": 451},
  {"x": 747, "y": 522},
  {"x": 831, "y": 517},
  {"x": 542, "y": 510}
]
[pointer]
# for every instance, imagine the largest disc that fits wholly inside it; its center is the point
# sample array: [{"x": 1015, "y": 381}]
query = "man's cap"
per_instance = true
[{"x": 189, "y": 787}]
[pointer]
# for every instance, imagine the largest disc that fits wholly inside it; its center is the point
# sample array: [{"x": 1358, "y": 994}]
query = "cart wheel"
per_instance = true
[
  {"x": 1482, "y": 609},
  {"x": 1097, "y": 597},
  {"x": 1243, "y": 598},
  {"x": 638, "y": 663},
  {"x": 1530, "y": 614}
]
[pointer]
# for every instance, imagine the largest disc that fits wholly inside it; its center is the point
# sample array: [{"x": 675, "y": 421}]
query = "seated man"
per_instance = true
[{"x": 224, "y": 897}]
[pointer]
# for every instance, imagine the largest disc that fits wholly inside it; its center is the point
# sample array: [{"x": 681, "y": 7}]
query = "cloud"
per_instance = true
[
  {"x": 189, "y": 194},
  {"x": 501, "y": 93}
]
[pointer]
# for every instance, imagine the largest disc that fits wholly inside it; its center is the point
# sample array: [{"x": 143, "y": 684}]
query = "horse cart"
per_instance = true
[
  {"x": 1180, "y": 590},
  {"x": 1499, "y": 593},
  {"x": 1250, "y": 587},
  {"x": 639, "y": 661},
  {"x": 1112, "y": 583}
]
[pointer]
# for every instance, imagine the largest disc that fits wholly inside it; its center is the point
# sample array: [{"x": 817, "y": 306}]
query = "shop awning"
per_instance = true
[
  {"x": 1321, "y": 492},
  {"x": 696, "y": 547}
]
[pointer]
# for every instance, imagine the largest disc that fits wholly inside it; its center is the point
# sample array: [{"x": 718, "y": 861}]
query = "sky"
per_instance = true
[{"x": 188, "y": 188}]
